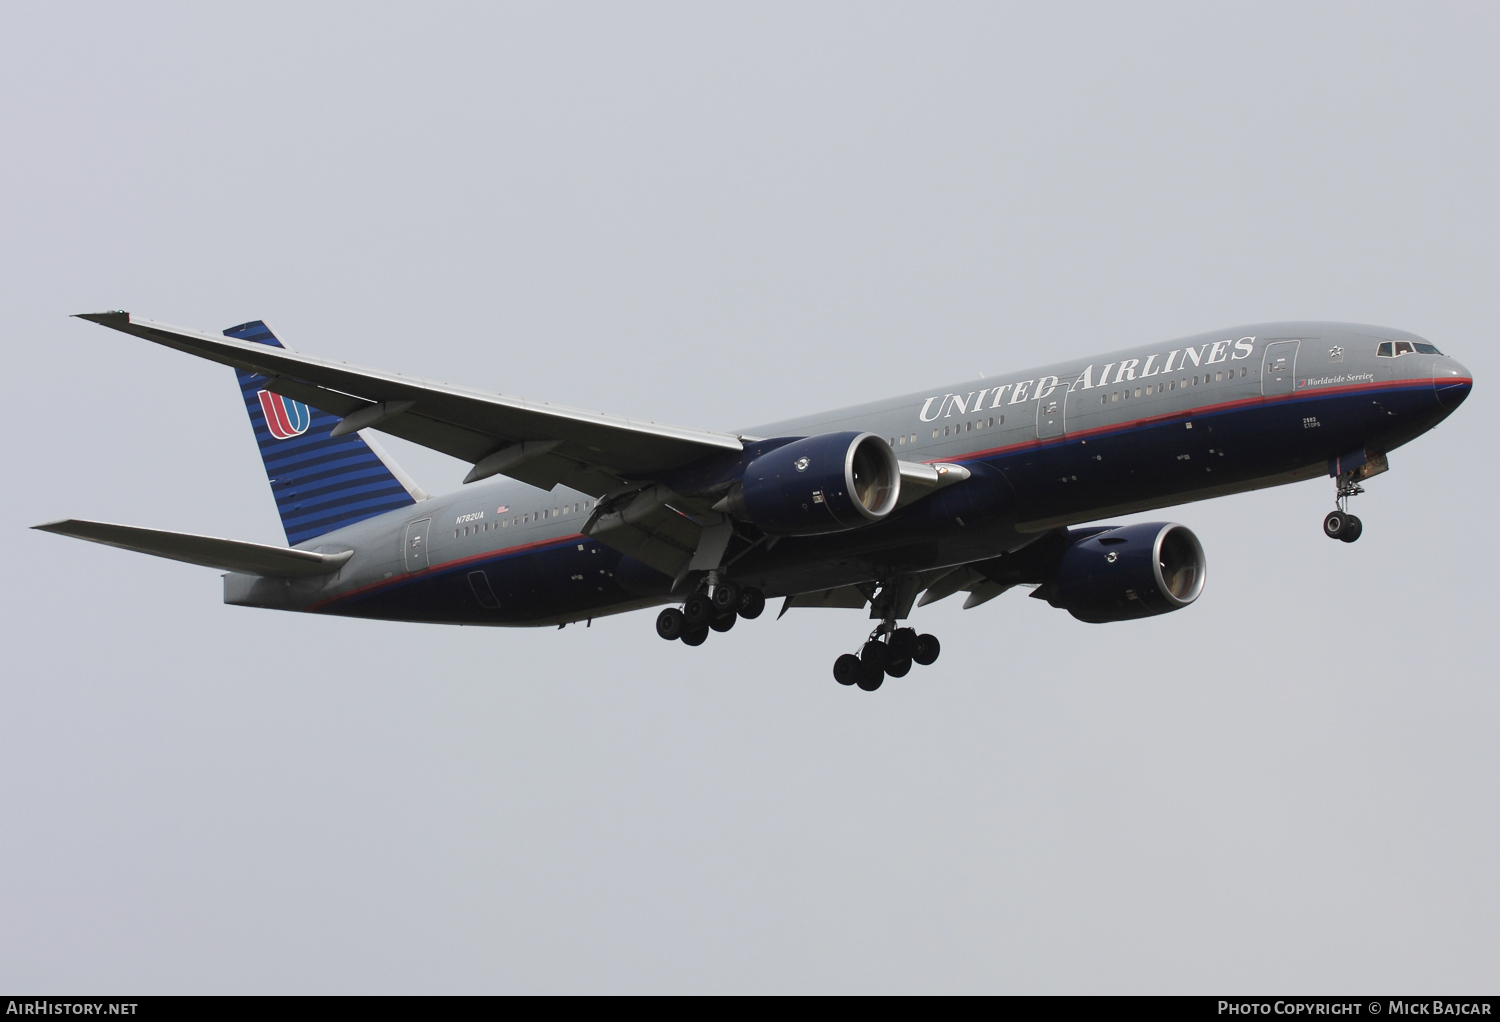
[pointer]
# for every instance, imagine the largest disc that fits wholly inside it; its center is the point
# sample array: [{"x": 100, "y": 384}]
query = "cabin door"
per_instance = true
[
  {"x": 416, "y": 545},
  {"x": 1052, "y": 413},
  {"x": 1278, "y": 373}
]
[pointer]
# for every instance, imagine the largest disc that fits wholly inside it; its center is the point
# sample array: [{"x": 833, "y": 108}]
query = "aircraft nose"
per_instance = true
[{"x": 1452, "y": 382}]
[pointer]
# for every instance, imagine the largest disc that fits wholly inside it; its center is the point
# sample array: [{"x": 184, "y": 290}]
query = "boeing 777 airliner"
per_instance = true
[{"x": 979, "y": 488}]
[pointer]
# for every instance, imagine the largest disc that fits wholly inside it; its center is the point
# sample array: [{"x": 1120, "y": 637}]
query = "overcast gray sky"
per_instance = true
[{"x": 717, "y": 215}]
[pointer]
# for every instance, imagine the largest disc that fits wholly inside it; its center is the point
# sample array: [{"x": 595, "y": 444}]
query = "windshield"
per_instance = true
[{"x": 1395, "y": 349}]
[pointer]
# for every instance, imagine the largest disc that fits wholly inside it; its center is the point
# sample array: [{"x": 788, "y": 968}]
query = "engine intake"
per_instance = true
[
  {"x": 1131, "y": 572},
  {"x": 819, "y": 484}
]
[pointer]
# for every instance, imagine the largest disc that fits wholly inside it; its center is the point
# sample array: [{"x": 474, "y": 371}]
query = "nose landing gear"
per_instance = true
[
  {"x": 1340, "y": 524},
  {"x": 888, "y": 652}
]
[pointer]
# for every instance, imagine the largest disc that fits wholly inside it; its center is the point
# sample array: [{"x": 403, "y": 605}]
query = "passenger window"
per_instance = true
[
  {"x": 1137, "y": 392},
  {"x": 992, "y": 421},
  {"x": 1218, "y": 377},
  {"x": 1114, "y": 398}
]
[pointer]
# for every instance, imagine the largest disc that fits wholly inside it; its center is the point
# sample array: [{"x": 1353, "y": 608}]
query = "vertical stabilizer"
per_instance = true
[{"x": 320, "y": 483}]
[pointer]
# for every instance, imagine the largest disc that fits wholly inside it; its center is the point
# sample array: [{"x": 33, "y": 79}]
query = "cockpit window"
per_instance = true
[{"x": 1395, "y": 349}]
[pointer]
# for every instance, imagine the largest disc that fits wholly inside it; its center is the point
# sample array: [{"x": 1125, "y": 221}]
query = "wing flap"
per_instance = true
[
  {"x": 644, "y": 527},
  {"x": 209, "y": 551}
]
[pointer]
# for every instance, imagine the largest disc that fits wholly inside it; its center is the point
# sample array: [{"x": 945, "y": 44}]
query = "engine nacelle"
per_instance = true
[
  {"x": 826, "y": 483},
  {"x": 1130, "y": 572}
]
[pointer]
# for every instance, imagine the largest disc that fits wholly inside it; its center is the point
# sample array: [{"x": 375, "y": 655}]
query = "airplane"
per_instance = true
[{"x": 981, "y": 487}]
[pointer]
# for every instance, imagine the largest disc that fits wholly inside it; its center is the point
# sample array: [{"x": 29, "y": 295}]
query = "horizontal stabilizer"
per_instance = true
[{"x": 226, "y": 554}]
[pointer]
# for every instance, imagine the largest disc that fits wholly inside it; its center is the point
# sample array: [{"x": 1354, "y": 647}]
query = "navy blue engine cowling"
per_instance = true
[
  {"x": 1130, "y": 572},
  {"x": 819, "y": 484}
]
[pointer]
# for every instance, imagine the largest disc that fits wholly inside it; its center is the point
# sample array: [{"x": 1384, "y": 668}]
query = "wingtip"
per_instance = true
[{"x": 115, "y": 318}]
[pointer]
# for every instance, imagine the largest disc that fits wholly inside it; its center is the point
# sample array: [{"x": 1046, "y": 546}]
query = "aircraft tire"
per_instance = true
[
  {"x": 695, "y": 636},
  {"x": 870, "y": 678},
  {"x": 752, "y": 602},
  {"x": 899, "y": 667},
  {"x": 928, "y": 649},
  {"x": 846, "y": 669},
  {"x": 875, "y": 655},
  {"x": 1334, "y": 524},
  {"x": 670, "y": 624},
  {"x": 904, "y": 642},
  {"x": 1353, "y": 528},
  {"x": 723, "y": 622},
  {"x": 698, "y": 611},
  {"x": 725, "y": 598}
]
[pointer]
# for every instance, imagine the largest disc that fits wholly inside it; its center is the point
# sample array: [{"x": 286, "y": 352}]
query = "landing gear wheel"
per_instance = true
[
  {"x": 697, "y": 611},
  {"x": 752, "y": 602},
  {"x": 869, "y": 678},
  {"x": 1335, "y": 523},
  {"x": 875, "y": 655},
  {"x": 904, "y": 642},
  {"x": 726, "y": 598},
  {"x": 898, "y": 668},
  {"x": 695, "y": 637},
  {"x": 927, "y": 650},
  {"x": 1353, "y": 527},
  {"x": 670, "y": 624},
  {"x": 723, "y": 622},
  {"x": 846, "y": 669}
]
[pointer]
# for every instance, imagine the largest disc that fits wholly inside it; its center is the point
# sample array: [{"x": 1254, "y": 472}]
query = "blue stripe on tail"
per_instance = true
[{"x": 320, "y": 483}]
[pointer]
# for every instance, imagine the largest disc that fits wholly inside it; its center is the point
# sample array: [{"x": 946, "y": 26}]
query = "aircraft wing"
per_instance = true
[
  {"x": 209, "y": 551},
  {"x": 533, "y": 441}
]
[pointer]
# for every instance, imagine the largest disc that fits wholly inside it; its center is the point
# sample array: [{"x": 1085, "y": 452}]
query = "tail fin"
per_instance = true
[{"x": 320, "y": 482}]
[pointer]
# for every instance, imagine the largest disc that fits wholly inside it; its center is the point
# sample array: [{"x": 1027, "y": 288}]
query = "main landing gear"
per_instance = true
[
  {"x": 1340, "y": 524},
  {"x": 889, "y": 651},
  {"x": 715, "y": 607}
]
